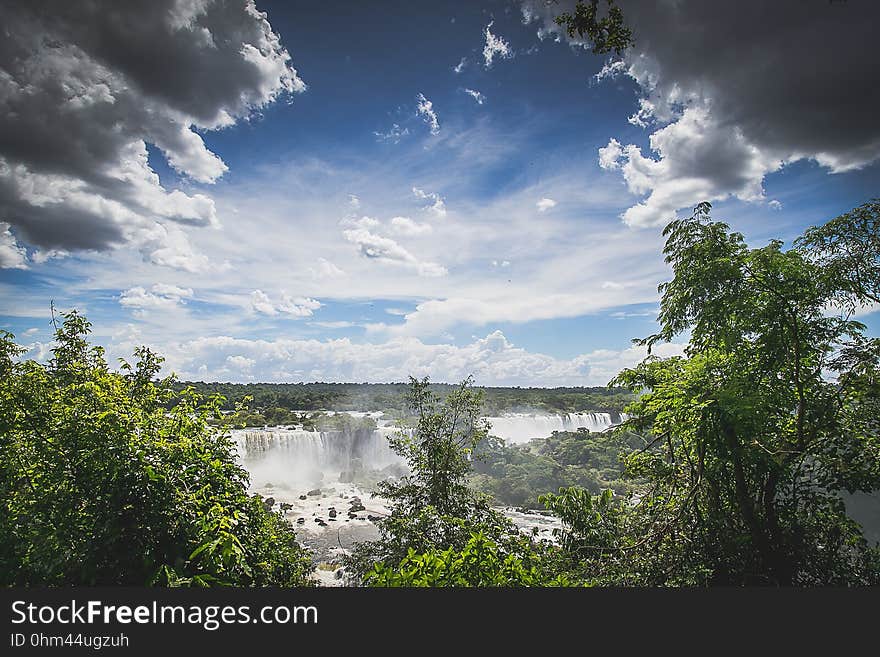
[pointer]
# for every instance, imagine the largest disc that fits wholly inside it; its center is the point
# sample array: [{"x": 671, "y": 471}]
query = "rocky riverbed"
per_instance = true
[{"x": 330, "y": 520}]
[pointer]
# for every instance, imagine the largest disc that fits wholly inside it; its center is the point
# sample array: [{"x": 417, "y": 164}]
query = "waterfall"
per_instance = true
[
  {"x": 522, "y": 427},
  {"x": 297, "y": 458}
]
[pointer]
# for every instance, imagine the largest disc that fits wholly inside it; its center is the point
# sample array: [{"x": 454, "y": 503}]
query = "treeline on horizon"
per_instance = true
[{"x": 267, "y": 398}]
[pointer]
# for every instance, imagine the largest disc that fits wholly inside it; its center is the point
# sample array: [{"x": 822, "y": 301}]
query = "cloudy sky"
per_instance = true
[{"x": 347, "y": 191}]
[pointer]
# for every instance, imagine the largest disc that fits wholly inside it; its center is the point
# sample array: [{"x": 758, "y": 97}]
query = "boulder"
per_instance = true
[
  {"x": 332, "y": 513},
  {"x": 303, "y": 497},
  {"x": 269, "y": 502},
  {"x": 314, "y": 492},
  {"x": 300, "y": 521}
]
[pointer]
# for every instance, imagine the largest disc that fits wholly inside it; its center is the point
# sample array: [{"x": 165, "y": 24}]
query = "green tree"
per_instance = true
[
  {"x": 768, "y": 417},
  {"x": 101, "y": 484},
  {"x": 433, "y": 509},
  {"x": 607, "y": 33}
]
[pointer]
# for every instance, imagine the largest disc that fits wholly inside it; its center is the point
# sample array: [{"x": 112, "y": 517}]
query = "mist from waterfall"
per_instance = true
[{"x": 519, "y": 428}]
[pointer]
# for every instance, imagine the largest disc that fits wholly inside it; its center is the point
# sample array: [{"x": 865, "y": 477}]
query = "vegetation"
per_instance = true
[
  {"x": 294, "y": 403},
  {"x": 759, "y": 429},
  {"x": 99, "y": 484},
  {"x": 518, "y": 474},
  {"x": 439, "y": 528},
  {"x": 607, "y": 33}
]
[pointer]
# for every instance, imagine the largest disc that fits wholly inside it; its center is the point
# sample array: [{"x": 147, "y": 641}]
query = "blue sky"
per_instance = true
[{"x": 434, "y": 189}]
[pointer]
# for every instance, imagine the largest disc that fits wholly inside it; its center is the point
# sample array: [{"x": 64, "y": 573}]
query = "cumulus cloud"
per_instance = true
[
  {"x": 493, "y": 360},
  {"x": 425, "y": 109},
  {"x": 495, "y": 46},
  {"x": 386, "y": 250},
  {"x": 437, "y": 206},
  {"x": 81, "y": 96},
  {"x": 734, "y": 91},
  {"x": 458, "y": 68},
  {"x": 476, "y": 95},
  {"x": 293, "y": 307},
  {"x": 160, "y": 297},
  {"x": 545, "y": 204},
  {"x": 12, "y": 255}
]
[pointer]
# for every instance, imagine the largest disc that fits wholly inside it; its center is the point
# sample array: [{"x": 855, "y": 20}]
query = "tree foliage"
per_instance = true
[
  {"x": 480, "y": 563},
  {"x": 768, "y": 417},
  {"x": 433, "y": 509},
  {"x": 100, "y": 484},
  {"x": 606, "y": 32}
]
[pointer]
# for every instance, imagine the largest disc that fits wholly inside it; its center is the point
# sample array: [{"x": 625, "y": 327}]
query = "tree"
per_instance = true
[
  {"x": 769, "y": 415},
  {"x": 101, "y": 484},
  {"x": 607, "y": 33},
  {"x": 433, "y": 510}
]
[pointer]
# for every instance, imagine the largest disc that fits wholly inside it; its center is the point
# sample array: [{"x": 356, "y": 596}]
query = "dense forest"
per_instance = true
[
  {"x": 271, "y": 400},
  {"x": 732, "y": 469}
]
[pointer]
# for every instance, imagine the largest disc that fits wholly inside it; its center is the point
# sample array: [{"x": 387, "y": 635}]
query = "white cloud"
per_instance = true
[
  {"x": 438, "y": 205},
  {"x": 476, "y": 95},
  {"x": 353, "y": 201},
  {"x": 294, "y": 307},
  {"x": 696, "y": 160},
  {"x": 160, "y": 297},
  {"x": 545, "y": 204},
  {"x": 495, "y": 46},
  {"x": 12, "y": 255},
  {"x": 458, "y": 68},
  {"x": 493, "y": 360},
  {"x": 406, "y": 226},
  {"x": 396, "y": 133},
  {"x": 386, "y": 250},
  {"x": 609, "y": 156},
  {"x": 610, "y": 70},
  {"x": 425, "y": 109},
  {"x": 774, "y": 204}
]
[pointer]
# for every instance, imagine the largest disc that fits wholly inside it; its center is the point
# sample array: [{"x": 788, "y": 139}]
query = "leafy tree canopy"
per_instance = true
[{"x": 100, "y": 484}]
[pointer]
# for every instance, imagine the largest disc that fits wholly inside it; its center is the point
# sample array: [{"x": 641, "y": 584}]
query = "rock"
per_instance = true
[
  {"x": 300, "y": 521},
  {"x": 314, "y": 492},
  {"x": 352, "y": 516},
  {"x": 269, "y": 502},
  {"x": 303, "y": 497},
  {"x": 355, "y": 500},
  {"x": 332, "y": 513},
  {"x": 286, "y": 506},
  {"x": 270, "y": 485},
  {"x": 356, "y": 507}
]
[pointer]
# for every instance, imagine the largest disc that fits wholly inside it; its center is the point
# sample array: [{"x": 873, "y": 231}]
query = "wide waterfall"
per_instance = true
[
  {"x": 299, "y": 458},
  {"x": 522, "y": 427}
]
